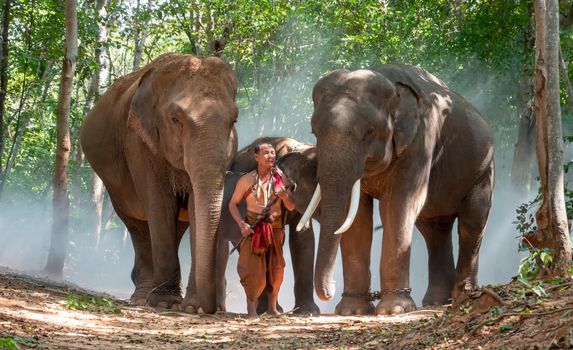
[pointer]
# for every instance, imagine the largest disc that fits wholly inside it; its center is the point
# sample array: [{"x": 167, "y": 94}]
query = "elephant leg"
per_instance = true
[
  {"x": 400, "y": 206},
  {"x": 222, "y": 259},
  {"x": 163, "y": 226},
  {"x": 301, "y": 246},
  {"x": 472, "y": 221},
  {"x": 355, "y": 246},
  {"x": 142, "y": 274},
  {"x": 438, "y": 236}
]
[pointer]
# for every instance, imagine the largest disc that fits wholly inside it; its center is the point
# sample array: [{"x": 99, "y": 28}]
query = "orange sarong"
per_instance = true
[{"x": 262, "y": 264}]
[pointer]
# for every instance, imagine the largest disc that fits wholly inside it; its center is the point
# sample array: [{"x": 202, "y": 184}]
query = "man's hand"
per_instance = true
[
  {"x": 246, "y": 229},
  {"x": 285, "y": 195},
  {"x": 282, "y": 193}
]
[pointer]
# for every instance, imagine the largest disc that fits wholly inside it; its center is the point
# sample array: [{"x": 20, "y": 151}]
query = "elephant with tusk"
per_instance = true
[{"x": 398, "y": 134}]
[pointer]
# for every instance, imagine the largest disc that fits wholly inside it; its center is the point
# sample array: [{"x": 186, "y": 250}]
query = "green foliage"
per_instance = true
[
  {"x": 8, "y": 343},
  {"x": 92, "y": 304},
  {"x": 530, "y": 265}
]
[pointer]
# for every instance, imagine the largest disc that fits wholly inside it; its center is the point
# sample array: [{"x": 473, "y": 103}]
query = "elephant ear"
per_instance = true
[
  {"x": 141, "y": 118},
  {"x": 406, "y": 103}
]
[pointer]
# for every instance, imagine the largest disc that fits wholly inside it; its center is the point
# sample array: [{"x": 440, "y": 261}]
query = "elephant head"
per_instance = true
[
  {"x": 300, "y": 170},
  {"x": 184, "y": 110},
  {"x": 363, "y": 123}
]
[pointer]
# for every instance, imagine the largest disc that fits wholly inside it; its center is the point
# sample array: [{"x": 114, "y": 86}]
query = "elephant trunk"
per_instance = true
[
  {"x": 327, "y": 250},
  {"x": 337, "y": 174},
  {"x": 206, "y": 168}
]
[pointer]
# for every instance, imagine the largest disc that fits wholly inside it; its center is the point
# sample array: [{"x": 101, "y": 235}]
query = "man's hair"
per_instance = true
[{"x": 258, "y": 146}]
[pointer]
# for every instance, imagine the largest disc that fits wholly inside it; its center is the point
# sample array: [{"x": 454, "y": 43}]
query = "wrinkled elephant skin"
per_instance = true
[
  {"x": 161, "y": 139},
  {"x": 426, "y": 154}
]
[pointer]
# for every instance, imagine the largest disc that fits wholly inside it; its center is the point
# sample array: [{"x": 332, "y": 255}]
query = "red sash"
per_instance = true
[{"x": 262, "y": 237}]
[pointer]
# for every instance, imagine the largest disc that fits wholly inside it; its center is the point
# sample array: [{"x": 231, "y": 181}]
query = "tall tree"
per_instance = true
[
  {"x": 141, "y": 29},
  {"x": 100, "y": 80},
  {"x": 553, "y": 230},
  {"x": 4, "y": 71},
  {"x": 61, "y": 201}
]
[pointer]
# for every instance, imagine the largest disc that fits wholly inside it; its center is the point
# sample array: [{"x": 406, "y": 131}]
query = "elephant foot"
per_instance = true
[
  {"x": 139, "y": 296},
  {"x": 165, "y": 297},
  {"x": 306, "y": 309},
  {"x": 350, "y": 306},
  {"x": 394, "y": 304},
  {"x": 190, "y": 304},
  {"x": 437, "y": 297},
  {"x": 461, "y": 292}
]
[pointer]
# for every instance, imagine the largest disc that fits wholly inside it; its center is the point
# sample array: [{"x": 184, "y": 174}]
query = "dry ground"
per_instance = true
[{"x": 35, "y": 313}]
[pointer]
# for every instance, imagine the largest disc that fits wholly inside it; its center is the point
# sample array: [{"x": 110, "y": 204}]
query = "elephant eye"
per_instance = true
[{"x": 175, "y": 121}]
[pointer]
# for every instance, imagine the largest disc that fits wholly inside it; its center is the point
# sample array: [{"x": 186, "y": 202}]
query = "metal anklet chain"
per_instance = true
[
  {"x": 372, "y": 296},
  {"x": 166, "y": 290}
]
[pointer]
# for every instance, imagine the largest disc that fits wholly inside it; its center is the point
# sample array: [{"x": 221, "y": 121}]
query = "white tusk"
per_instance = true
[
  {"x": 310, "y": 209},
  {"x": 354, "y": 201}
]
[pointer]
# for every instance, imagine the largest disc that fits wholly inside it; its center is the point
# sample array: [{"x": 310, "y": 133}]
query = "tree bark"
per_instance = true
[
  {"x": 553, "y": 231},
  {"x": 61, "y": 201},
  {"x": 141, "y": 36},
  {"x": 101, "y": 77},
  {"x": 4, "y": 72}
]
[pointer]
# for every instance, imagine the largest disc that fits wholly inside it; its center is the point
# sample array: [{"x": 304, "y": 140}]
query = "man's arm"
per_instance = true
[{"x": 240, "y": 189}]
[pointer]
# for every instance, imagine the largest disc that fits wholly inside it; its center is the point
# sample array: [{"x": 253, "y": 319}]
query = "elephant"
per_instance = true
[
  {"x": 398, "y": 134},
  {"x": 161, "y": 139},
  {"x": 293, "y": 157}
]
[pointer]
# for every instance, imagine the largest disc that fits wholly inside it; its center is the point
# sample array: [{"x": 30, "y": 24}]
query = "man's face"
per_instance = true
[{"x": 266, "y": 156}]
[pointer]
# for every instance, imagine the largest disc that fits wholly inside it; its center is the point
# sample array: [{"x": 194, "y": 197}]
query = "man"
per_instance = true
[{"x": 261, "y": 262}]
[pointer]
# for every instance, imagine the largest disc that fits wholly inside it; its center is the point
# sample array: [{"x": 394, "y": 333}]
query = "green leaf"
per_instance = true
[
  {"x": 524, "y": 281},
  {"x": 25, "y": 340},
  {"x": 505, "y": 327},
  {"x": 567, "y": 313},
  {"x": 8, "y": 343},
  {"x": 539, "y": 291}
]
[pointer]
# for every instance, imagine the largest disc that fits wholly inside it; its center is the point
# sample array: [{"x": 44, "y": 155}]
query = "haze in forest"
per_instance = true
[
  {"x": 278, "y": 110},
  {"x": 25, "y": 232}
]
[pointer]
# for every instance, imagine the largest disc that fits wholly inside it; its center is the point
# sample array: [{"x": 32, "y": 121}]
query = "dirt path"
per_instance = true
[{"x": 35, "y": 313}]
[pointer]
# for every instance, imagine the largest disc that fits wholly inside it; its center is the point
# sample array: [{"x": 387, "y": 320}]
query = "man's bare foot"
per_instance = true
[
  {"x": 253, "y": 317},
  {"x": 273, "y": 313},
  {"x": 252, "y": 309}
]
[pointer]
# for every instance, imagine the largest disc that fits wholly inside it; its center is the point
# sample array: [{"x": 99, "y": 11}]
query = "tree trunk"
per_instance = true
[
  {"x": 97, "y": 88},
  {"x": 141, "y": 36},
  {"x": 61, "y": 201},
  {"x": 4, "y": 72},
  {"x": 553, "y": 232}
]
